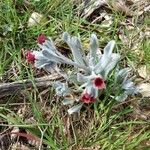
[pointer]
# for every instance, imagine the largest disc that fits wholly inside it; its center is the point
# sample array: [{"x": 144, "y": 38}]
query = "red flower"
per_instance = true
[
  {"x": 30, "y": 57},
  {"x": 99, "y": 83},
  {"x": 41, "y": 39},
  {"x": 87, "y": 98}
]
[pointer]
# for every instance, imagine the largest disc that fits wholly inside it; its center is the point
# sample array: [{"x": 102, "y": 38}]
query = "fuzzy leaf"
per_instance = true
[
  {"x": 61, "y": 88},
  {"x": 105, "y": 58},
  {"x": 57, "y": 57},
  {"x": 66, "y": 37},
  {"x": 51, "y": 67},
  {"x": 107, "y": 66},
  {"x": 75, "y": 109},
  {"x": 127, "y": 84},
  {"x": 82, "y": 78},
  {"x": 93, "y": 48},
  {"x": 76, "y": 48},
  {"x": 39, "y": 55},
  {"x": 113, "y": 62},
  {"x": 49, "y": 50},
  {"x": 91, "y": 90},
  {"x": 109, "y": 48},
  {"x": 122, "y": 97},
  {"x": 129, "y": 87},
  {"x": 41, "y": 61},
  {"x": 52, "y": 56},
  {"x": 104, "y": 61},
  {"x": 120, "y": 75},
  {"x": 48, "y": 45},
  {"x": 76, "y": 51}
]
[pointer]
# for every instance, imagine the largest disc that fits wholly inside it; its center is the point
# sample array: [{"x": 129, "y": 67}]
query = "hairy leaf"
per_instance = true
[{"x": 75, "y": 108}]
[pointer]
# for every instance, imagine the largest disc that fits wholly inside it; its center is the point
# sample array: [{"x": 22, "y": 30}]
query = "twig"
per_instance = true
[{"x": 13, "y": 87}]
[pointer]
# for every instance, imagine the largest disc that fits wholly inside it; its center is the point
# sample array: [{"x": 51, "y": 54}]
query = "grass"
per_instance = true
[
  {"x": 145, "y": 47},
  {"x": 108, "y": 126}
]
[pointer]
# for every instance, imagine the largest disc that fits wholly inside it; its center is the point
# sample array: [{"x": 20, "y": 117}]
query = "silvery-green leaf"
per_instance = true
[
  {"x": 61, "y": 88},
  {"x": 109, "y": 48},
  {"x": 66, "y": 37},
  {"x": 79, "y": 44},
  {"x": 50, "y": 44},
  {"x": 91, "y": 90},
  {"x": 76, "y": 48},
  {"x": 75, "y": 109},
  {"x": 70, "y": 62},
  {"x": 113, "y": 62},
  {"x": 39, "y": 55},
  {"x": 49, "y": 50},
  {"x": 120, "y": 75},
  {"x": 93, "y": 48},
  {"x": 51, "y": 67},
  {"x": 109, "y": 64},
  {"x": 51, "y": 56},
  {"x": 83, "y": 86},
  {"x": 66, "y": 60},
  {"x": 101, "y": 65},
  {"x": 71, "y": 77},
  {"x": 59, "y": 58},
  {"x": 121, "y": 97},
  {"x": 91, "y": 63},
  {"x": 132, "y": 91},
  {"x": 67, "y": 102},
  {"x": 98, "y": 67},
  {"x": 40, "y": 63},
  {"x": 57, "y": 84},
  {"x": 43, "y": 47},
  {"x": 105, "y": 59},
  {"x": 129, "y": 87},
  {"x": 127, "y": 84},
  {"x": 76, "y": 51},
  {"x": 82, "y": 78}
]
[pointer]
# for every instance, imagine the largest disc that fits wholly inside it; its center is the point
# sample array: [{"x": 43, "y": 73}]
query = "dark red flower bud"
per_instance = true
[
  {"x": 87, "y": 98},
  {"x": 99, "y": 83},
  {"x": 41, "y": 39},
  {"x": 30, "y": 57}
]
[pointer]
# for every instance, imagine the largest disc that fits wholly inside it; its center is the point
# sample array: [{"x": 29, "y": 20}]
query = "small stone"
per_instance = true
[{"x": 34, "y": 19}]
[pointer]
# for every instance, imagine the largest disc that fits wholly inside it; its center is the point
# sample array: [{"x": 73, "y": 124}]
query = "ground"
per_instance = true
[{"x": 35, "y": 117}]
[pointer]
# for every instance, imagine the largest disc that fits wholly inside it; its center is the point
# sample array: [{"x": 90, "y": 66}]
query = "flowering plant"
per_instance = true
[{"x": 91, "y": 71}]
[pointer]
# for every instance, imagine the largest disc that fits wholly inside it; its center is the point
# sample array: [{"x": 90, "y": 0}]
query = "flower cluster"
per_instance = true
[{"x": 90, "y": 73}]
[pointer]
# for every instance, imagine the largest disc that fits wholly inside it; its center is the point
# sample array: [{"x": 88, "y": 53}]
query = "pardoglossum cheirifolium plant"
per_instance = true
[{"x": 91, "y": 71}]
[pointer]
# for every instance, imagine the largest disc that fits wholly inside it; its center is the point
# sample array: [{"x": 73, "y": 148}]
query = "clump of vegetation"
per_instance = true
[
  {"x": 35, "y": 116},
  {"x": 93, "y": 73}
]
